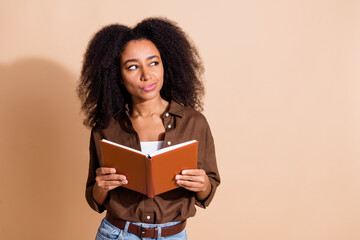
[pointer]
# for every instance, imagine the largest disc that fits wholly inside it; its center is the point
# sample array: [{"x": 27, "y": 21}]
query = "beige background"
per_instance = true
[{"x": 283, "y": 101}]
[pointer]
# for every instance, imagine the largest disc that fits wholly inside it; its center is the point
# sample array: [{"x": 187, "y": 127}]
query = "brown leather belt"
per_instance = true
[{"x": 147, "y": 232}]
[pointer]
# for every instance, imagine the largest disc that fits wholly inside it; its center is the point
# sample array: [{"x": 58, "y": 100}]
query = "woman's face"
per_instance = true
[{"x": 142, "y": 70}]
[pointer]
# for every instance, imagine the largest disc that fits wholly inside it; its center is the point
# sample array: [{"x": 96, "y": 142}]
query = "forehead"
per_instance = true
[{"x": 139, "y": 49}]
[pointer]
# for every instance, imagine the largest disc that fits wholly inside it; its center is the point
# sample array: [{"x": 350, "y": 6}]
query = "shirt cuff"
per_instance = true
[
  {"x": 204, "y": 203},
  {"x": 92, "y": 203}
]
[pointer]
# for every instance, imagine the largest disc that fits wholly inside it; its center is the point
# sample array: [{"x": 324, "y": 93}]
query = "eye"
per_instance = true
[
  {"x": 132, "y": 67},
  {"x": 154, "y": 63}
]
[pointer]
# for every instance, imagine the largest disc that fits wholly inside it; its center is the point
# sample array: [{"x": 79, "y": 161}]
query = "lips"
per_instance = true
[{"x": 149, "y": 87}]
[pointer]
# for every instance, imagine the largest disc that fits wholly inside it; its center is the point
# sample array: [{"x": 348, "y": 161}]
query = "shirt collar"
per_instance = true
[{"x": 175, "y": 108}]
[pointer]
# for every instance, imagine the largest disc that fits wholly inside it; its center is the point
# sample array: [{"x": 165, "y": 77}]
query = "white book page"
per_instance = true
[{"x": 172, "y": 147}]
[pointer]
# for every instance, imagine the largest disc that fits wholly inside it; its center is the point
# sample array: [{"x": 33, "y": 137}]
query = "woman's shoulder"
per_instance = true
[
  {"x": 191, "y": 116},
  {"x": 185, "y": 111},
  {"x": 193, "y": 113},
  {"x": 101, "y": 131}
]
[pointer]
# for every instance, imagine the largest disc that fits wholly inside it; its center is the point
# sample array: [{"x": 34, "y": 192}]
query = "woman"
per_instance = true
[{"x": 141, "y": 87}]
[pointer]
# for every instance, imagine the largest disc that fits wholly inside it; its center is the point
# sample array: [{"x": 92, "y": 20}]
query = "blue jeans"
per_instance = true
[{"x": 108, "y": 231}]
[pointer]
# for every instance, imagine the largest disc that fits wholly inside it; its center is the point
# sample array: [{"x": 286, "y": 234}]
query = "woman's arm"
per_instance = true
[
  {"x": 106, "y": 180},
  {"x": 195, "y": 180},
  {"x": 206, "y": 178}
]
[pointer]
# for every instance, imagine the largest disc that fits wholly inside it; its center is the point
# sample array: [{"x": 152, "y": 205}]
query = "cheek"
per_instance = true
[
  {"x": 127, "y": 85},
  {"x": 160, "y": 74},
  {"x": 128, "y": 79}
]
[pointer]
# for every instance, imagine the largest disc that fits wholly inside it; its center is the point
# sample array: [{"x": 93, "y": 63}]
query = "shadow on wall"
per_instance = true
[{"x": 43, "y": 155}]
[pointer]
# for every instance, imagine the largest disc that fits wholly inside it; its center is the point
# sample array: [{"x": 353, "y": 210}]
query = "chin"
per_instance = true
[{"x": 147, "y": 97}]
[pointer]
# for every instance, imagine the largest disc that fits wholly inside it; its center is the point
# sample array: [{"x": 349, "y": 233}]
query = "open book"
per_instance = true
[{"x": 150, "y": 174}]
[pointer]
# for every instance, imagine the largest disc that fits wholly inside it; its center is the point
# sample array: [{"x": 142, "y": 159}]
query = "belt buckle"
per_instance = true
[{"x": 143, "y": 232}]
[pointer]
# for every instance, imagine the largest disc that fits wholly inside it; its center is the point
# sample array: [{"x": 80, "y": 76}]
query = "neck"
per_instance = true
[{"x": 148, "y": 108}]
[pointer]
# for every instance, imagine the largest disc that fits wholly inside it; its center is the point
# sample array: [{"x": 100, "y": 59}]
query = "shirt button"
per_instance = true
[
  {"x": 169, "y": 126},
  {"x": 168, "y": 143},
  {"x": 167, "y": 114},
  {"x": 148, "y": 217}
]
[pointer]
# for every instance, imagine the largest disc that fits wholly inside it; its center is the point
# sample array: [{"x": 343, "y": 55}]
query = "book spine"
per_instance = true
[{"x": 149, "y": 178}]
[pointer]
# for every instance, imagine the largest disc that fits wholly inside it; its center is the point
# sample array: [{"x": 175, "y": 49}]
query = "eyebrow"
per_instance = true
[{"x": 135, "y": 60}]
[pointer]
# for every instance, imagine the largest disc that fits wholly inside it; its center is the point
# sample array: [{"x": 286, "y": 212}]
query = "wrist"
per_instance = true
[
  {"x": 99, "y": 194},
  {"x": 205, "y": 192}
]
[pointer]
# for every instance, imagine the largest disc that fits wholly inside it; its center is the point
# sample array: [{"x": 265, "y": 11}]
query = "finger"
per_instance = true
[
  {"x": 192, "y": 178},
  {"x": 110, "y": 177},
  {"x": 112, "y": 184},
  {"x": 105, "y": 170},
  {"x": 190, "y": 183},
  {"x": 192, "y": 186},
  {"x": 110, "y": 187},
  {"x": 194, "y": 172}
]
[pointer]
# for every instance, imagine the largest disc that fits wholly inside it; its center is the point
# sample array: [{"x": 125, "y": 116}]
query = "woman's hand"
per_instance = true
[
  {"x": 195, "y": 180},
  {"x": 106, "y": 180}
]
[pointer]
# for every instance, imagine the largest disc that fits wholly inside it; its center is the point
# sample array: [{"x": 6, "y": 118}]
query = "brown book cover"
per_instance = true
[{"x": 150, "y": 174}]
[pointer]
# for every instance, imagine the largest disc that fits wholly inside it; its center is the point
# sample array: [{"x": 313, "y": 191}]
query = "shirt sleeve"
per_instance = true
[
  {"x": 93, "y": 165},
  {"x": 207, "y": 162}
]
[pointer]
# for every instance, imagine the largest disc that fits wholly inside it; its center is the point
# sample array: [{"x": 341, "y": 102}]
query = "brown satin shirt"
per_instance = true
[{"x": 181, "y": 124}]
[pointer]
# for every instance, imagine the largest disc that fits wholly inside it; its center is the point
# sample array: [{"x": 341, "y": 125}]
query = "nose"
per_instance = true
[{"x": 145, "y": 74}]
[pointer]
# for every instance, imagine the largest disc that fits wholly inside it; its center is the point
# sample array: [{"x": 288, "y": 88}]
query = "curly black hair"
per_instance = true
[{"x": 99, "y": 89}]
